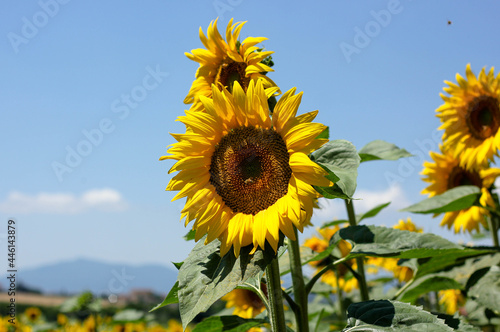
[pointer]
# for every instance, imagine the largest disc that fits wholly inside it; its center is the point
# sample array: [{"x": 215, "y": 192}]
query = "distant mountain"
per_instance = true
[{"x": 98, "y": 277}]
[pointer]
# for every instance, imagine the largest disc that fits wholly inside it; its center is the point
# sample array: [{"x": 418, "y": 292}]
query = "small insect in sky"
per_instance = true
[{"x": 449, "y": 22}]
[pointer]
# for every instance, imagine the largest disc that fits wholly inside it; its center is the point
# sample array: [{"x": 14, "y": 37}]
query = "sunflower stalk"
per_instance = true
[
  {"x": 276, "y": 309},
  {"x": 299, "y": 288},
  {"x": 359, "y": 260},
  {"x": 493, "y": 224},
  {"x": 340, "y": 298}
]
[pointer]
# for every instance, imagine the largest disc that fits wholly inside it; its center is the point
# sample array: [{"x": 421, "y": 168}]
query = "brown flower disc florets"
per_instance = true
[
  {"x": 232, "y": 71},
  {"x": 483, "y": 117},
  {"x": 250, "y": 169}
]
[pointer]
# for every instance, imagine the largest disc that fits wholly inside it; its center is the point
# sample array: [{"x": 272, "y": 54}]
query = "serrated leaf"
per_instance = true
[
  {"x": 382, "y": 150},
  {"x": 227, "y": 324},
  {"x": 371, "y": 213},
  {"x": 462, "y": 267},
  {"x": 486, "y": 290},
  {"x": 172, "y": 297},
  {"x": 389, "y": 242},
  {"x": 457, "y": 324},
  {"x": 384, "y": 316},
  {"x": 431, "y": 283},
  {"x": 455, "y": 199},
  {"x": 205, "y": 277},
  {"x": 341, "y": 159}
]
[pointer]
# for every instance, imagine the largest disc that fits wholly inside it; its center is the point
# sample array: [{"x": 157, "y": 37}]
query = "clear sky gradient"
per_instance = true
[{"x": 89, "y": 92}]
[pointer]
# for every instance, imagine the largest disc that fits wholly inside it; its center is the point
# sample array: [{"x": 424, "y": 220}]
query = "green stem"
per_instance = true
[
  {"x": 493, "y": 223},
  {"x": 316, "y": 277},
  {"x": 299, "y": 289},
  {"x": 359, "y": 260},
  {"x": 340, "y": 298},
  {"x": 402, "y": 289},
  {"x": 276, "y": 312}
]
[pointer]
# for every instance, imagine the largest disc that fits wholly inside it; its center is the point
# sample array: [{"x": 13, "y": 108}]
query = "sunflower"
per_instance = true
[
  {"x": 246, "y": 303},
  {"x": 33, "y": 314},
  {"x": 452, "y": 299},
  {"x": 246, "y": 176},
  {"x": 175, "y": 326},
  {"x": 471, "y": 117},
  {"x": 341, "y": 277},
  {"x": 224, "y": 62},
  {"x": 402, "y": 273},
  {"x": 446, "y": 173}
]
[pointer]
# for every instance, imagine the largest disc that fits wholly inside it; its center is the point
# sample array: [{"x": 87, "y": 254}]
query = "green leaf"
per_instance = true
[
  {"x": 171, "y": 298},
  {"x": 178, "y": 265},
  {"x": 384, "y": 316},
  {"x": 486, "y": 290},
  {"x": 430, "y": 283},
  {"x": 341, "y": 160},
  {"x": 227, "y": 324},
  {"x": 190, "y": 235},
  {"x": 205, "y": 277},
  {"x": 389, "y": 242},
  {"x": 334, "y": 223},
  {"x": 455, "y": 199},
  {"x": 382, "y": 150},
  {"x": 319, "y": 325},
  {"x": 462, "y": 268},
  {"x": 325, "y": 134},
  {"x": 372, "y": 213}
]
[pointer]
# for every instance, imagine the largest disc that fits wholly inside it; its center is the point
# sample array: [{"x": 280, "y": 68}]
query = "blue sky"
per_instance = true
[{"x": 106, "y": 80}]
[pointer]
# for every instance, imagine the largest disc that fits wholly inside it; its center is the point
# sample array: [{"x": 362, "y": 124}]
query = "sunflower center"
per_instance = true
[
  {"x": 461, "y": 177},
  {"x": 232, "y": 71},
  {"x": 483, "y": 117},
  {"x": 250, "y": 169}
]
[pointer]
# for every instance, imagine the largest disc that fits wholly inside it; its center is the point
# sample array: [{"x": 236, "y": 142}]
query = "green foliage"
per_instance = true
[
  {"x": 190, "y": 235},
  {"x": 359, "y": 217},
  {"x": 429, "y": 283},
  {"x": 325, "y": 134},
  {"x": 381, "y": 150},
  {"x": 389, "y": 242},
  {"x": 129, "y": 316},
  {"x": 455, "y": 199},
  {"x": 384, "y": 315},
  {"x": 82, "y": 302},
  {"x": 205, "y": 277},
  {"x": 371, "y": 213},
  {"x": 172, "y": 297},
  {"x": 341, "y": 160},
  {"x": 227, "y": 324},
  {"x": 486, "y": 290}
]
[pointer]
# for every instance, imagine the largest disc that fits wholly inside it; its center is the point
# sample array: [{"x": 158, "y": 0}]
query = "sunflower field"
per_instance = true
[{"x": 252, "y": 167}]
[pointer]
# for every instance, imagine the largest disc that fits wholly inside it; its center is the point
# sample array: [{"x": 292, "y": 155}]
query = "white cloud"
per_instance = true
[
  {"x": 365, "y": 200},
  {"x": 63, "y": 203}
]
